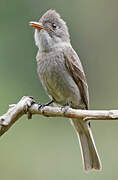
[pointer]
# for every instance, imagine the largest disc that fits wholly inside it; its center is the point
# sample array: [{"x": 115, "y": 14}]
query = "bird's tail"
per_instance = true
[{"x": 88, "y": 149}]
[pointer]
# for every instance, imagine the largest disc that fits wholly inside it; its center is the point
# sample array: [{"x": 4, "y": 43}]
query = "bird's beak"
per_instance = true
[{"x": 36, "y": 25}]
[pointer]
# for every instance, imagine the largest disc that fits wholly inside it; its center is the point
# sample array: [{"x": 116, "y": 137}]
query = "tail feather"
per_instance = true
[{"x": 89, "y": 152}]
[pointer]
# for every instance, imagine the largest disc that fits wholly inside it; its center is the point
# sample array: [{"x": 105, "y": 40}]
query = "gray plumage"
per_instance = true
[{"x": 63, "y": 78}]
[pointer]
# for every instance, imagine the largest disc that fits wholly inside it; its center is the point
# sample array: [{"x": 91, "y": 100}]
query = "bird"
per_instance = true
[{"x": 62, "y": 76}]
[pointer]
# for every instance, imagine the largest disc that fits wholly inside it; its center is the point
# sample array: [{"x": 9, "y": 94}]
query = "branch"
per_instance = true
[{"x": 28, "y": 106}]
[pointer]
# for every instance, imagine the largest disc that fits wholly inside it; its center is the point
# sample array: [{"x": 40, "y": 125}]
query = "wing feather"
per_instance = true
[{"x": 75, "y": 68}]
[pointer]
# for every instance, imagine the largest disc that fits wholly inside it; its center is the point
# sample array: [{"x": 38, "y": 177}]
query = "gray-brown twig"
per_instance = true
[{"x": 28, "y": 106}]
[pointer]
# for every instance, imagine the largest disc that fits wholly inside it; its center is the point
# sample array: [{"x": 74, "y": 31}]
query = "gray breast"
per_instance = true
[{"x": 56, "y": 79}]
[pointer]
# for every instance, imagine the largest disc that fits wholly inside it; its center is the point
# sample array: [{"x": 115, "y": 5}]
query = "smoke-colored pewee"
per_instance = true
[{"x": 63, "y": 78}]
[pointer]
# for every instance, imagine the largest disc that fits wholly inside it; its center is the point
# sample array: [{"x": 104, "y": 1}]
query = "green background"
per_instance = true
[{"x": 47, "y": 148}]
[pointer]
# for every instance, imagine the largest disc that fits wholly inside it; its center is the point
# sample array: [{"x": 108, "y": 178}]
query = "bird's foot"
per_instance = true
[
  {"x": 43, "y": 105},
  {"x": 65, "y": 108}
]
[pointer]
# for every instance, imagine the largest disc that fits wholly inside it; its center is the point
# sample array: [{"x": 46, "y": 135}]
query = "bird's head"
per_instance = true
[{"x": 50, "y": 30}]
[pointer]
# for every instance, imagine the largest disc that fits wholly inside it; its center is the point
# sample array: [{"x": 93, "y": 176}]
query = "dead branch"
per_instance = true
[{"x": 28, "y": 106}]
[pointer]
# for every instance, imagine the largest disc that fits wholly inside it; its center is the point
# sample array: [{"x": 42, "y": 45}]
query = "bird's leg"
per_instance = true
[{"x": 46, "y": 104}]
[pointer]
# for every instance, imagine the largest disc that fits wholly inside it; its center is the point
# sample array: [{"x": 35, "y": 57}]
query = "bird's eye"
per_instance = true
[{"x": 54, "y": 25}]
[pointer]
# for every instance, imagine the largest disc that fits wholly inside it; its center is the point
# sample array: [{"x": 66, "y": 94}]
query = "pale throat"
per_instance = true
[{"x": 45, "y": 43}]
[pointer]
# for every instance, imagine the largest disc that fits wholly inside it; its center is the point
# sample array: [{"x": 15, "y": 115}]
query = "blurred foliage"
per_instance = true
[{"x": 48, "y": 149}]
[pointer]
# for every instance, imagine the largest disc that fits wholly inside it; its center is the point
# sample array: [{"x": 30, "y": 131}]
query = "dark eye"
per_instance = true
[{"x": 54, "y": 25}]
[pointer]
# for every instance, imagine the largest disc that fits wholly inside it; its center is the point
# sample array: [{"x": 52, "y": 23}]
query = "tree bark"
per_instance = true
[{"x": 28, "y": 106}]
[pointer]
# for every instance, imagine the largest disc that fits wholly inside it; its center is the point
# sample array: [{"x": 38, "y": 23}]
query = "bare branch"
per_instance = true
[{"x": 28, "y": 106}]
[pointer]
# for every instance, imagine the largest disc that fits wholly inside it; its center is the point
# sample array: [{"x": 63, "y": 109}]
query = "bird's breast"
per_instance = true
[{"x": 56, "y": 79}]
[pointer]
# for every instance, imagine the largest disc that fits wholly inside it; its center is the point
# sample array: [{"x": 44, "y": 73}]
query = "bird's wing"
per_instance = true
[{"x": 75, "y": 68}]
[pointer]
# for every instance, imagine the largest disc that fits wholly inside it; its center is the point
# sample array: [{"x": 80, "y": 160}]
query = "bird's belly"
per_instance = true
[
  {"x": 60, "y": 85},
  {"x": 63, "y": 89}
]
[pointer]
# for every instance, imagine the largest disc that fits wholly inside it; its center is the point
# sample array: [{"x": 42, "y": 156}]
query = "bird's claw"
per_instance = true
[
  {"x": 41, "y": 106},
  {"x": 65, "y": 109}
]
